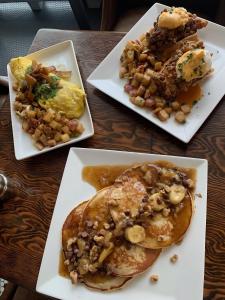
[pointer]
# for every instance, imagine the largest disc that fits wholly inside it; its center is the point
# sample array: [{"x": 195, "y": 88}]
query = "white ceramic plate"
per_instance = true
[
  {"x": 106, "y": 76},
  {"x": 183, "y": 280},
  {"x": 63, "y": 57}
]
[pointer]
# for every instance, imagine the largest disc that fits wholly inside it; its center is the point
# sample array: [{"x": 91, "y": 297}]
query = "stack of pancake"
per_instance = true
[{"x": 120, "y": 232}]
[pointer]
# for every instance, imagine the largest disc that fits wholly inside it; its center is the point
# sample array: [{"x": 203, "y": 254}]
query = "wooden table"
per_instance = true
[{"x": 25, "y": 220}]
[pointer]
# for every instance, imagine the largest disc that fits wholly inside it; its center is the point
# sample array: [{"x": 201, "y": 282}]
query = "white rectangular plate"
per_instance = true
[
  {"x": 63, "y": 57},
  {"x": 106, "y": 76},
  {"x": 183, "y": 280}
]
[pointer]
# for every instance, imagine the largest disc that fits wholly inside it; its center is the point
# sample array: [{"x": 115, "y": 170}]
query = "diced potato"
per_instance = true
[
  {"x": 139, "y": 101},
  {"x": 123, "y": 71},
  {"x": 158, "y": 66},
  {"x": 43, "y": 139},
  {"x": 163, "y": 115},
  {"x": 152, "y": 88},
  {"x": 141, "y": 90},
  {"x": 55, "y": 125},
  {"x": 48, "y": 117},
  {"x": 57, "y": 137},
  {"x": 139, "y": 76},
  {"x": 37, "y": 134},
  {"x": 25, "y": 125},
  {"x": 65, "y": 129},
  {"x": 143, "y": 57},
  {"x": 186, "y": 108},
  {"x": 39, "y": 146},
  {"x": 80, "y": 128},
  {"x": 134, "y": 83},
  {"x": 168, "y": 110},
  {"x": 175, "y": 105},
  {"x": 65, "y": 137},
  {"x": 146, "y": 80},
  {"x": 180, "y": 117},
  {"x": 31, "y": 114},
  {"x": 130, "y": 55},
  {"x": 51, "y": 143}
]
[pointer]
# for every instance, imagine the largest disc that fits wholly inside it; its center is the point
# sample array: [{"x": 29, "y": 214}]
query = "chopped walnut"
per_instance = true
[
  {"x": 94, "y": 253},
  {"x": 74, "y": 277},
  {"x": 106, "y": 226},
  {"x": 70, "y": 242},
  {"x": 66, "y": 262},
  {"x": 154, "y": 278},
  {"x": 98, "y": 239},
  {"x": 166, "y": 212},
  {"x": 95, "y": 226},
  {"x": 174, "y": 258}
]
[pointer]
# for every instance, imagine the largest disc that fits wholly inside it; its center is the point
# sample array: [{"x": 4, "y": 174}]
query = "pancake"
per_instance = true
[
  {"x": 129, "y": 190},
  {"x": 130, "y": 261},
  {"x": 71, "y": 225},
  {"x": 105, "y": 283},
  {"x": 118, "y": 260},
  {"x": 162, "y": 207},
  {"x": 95, "y": 281},
  {"x": 163, "y": 231}
]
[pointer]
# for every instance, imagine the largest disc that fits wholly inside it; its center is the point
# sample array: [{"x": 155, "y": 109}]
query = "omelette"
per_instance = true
[{"x": 56, "y": 93}]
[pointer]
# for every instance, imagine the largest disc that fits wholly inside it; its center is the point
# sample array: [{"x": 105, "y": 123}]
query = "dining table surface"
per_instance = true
[{"x": 25, "y": 217}]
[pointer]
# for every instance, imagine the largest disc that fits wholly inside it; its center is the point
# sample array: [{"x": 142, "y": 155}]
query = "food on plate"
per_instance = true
[
  {"x": 120, "y": 232},
  {"x": 48, "y": 104},
  {"x": 167, "y": 61},
  {"x": 70, "y": 231}
]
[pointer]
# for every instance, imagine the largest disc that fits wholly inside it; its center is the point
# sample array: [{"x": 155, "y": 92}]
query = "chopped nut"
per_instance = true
[
  {"x": 106, "y": 226},
  {"x": 154, "y": 278},
  {"x": 70, "y": 242},
  {"x": 174, "y": 258},
  {"x": 66, "y": 262},
  {"x": 95, "y": 226},
  {"x": 74, "y": 277},
  {"x": 166, "y": 212},
  {"x": 98, "y": 239}
]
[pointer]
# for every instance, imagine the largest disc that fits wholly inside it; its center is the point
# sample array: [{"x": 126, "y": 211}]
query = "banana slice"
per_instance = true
[
  {"x": 135, "y": 234},
  {"x": 177, "y": 193}
]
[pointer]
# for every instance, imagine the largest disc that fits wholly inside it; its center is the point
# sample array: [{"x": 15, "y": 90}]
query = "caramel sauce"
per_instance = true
[
  {"x": 193, "y": 94},
  {"x": 103, "y": 175},
  {"x": 63, "y": 271}
]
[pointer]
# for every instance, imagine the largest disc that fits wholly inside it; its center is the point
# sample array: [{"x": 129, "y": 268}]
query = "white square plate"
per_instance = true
[
  {"x": 62, "y": 56},
  {"x": 106, "y": 76},
  {"x": 184, "y": 280}
]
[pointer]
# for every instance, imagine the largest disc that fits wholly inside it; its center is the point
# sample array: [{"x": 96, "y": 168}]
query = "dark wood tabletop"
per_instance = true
[{"x": 25, "y": 218}]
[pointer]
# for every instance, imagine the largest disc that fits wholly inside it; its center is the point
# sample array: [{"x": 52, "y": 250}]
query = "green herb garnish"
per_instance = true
[{"x": 47, "y": 90}]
